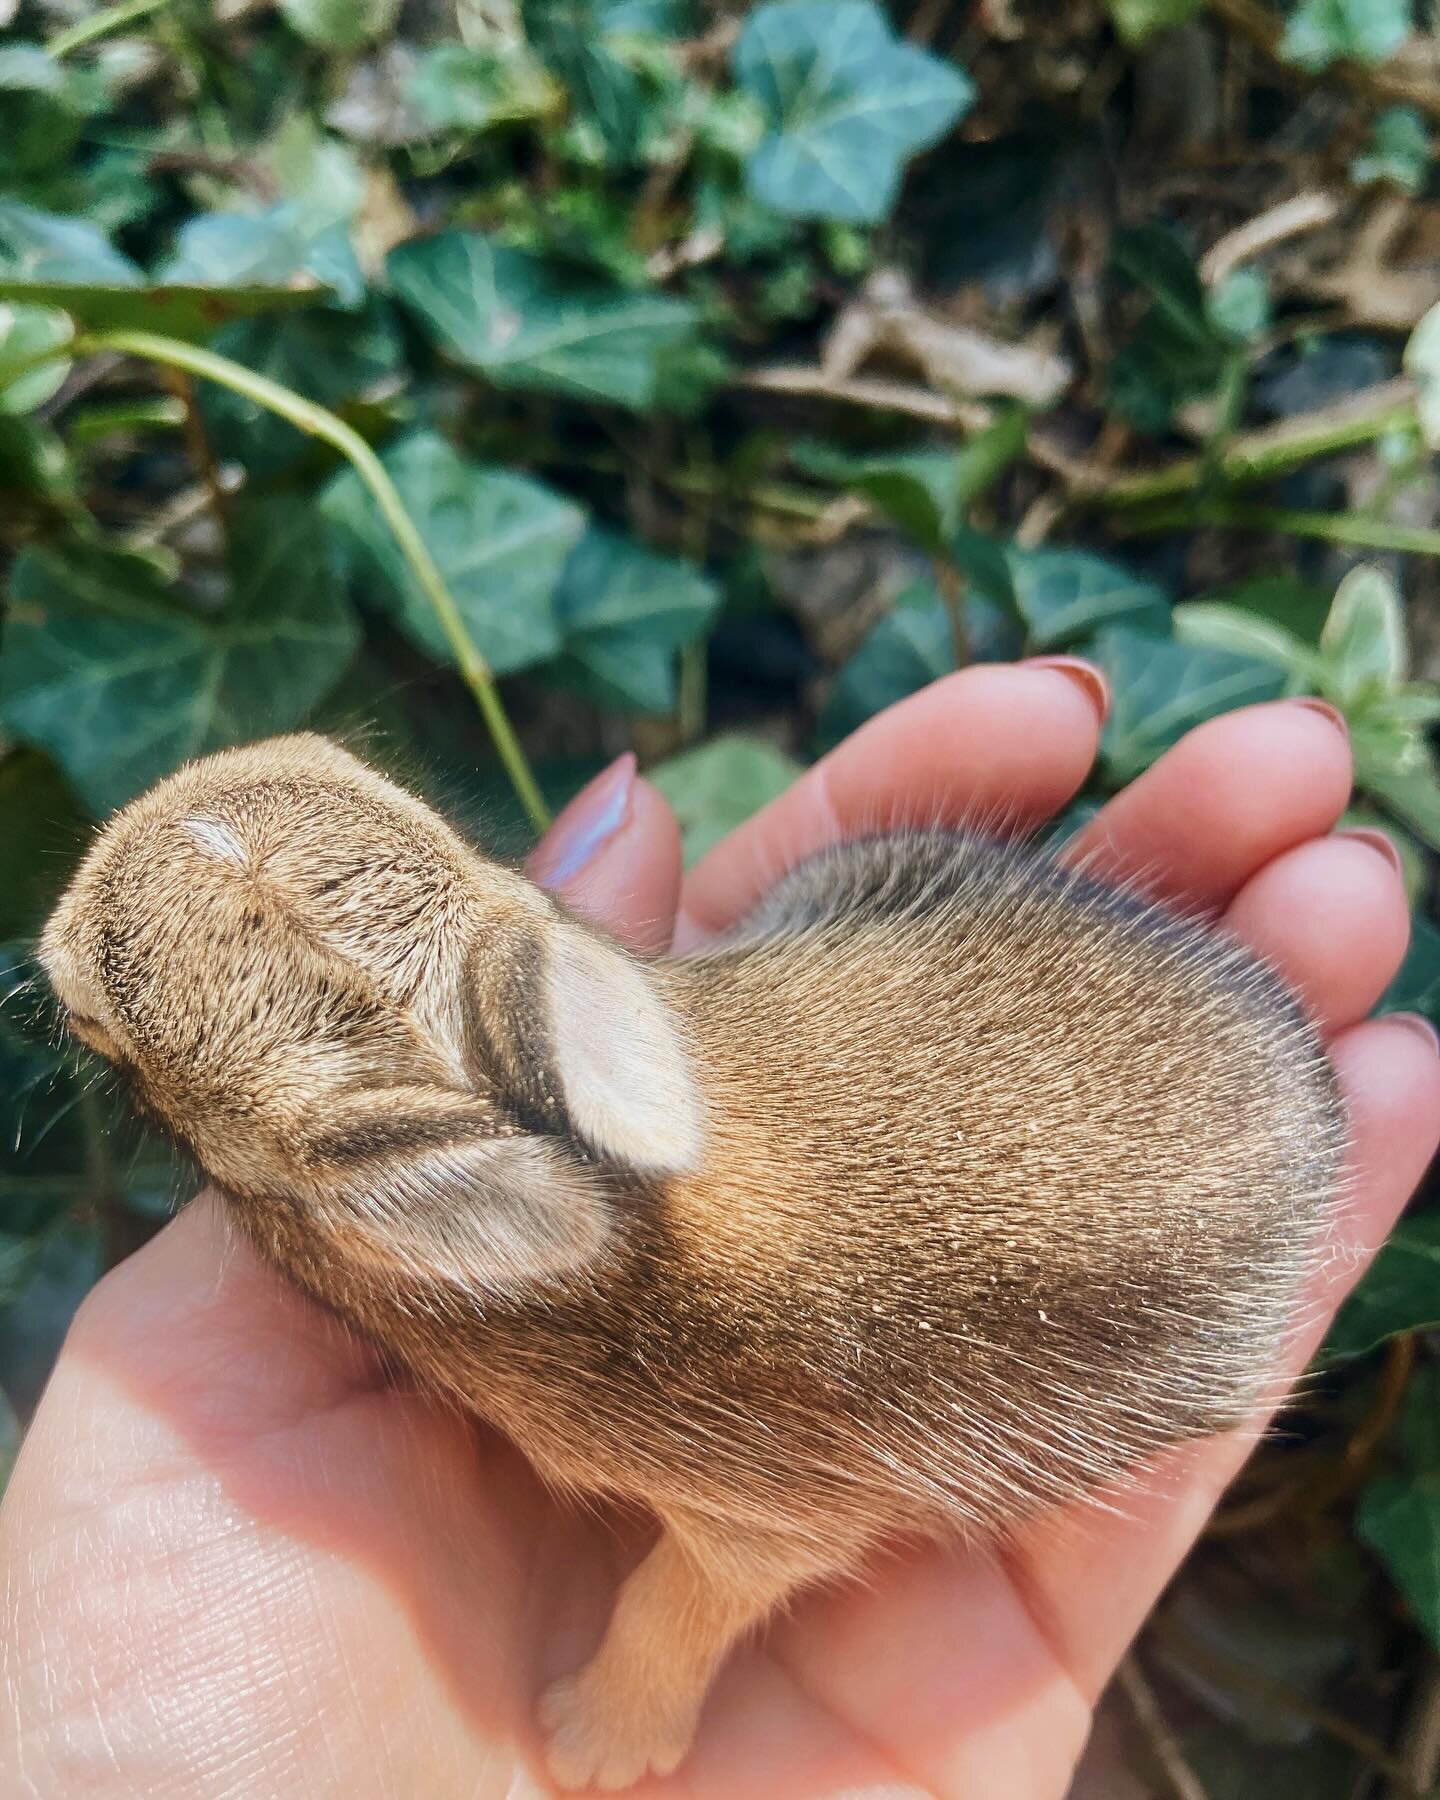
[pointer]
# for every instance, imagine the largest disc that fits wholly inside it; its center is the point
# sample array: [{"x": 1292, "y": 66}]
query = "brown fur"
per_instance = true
[{"x": 951, "y": 1186}]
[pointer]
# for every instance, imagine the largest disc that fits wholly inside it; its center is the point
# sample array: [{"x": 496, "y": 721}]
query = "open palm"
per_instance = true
[{"x": 238, "y": 1561}]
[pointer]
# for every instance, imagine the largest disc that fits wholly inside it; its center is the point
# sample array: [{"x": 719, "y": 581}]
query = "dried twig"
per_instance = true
[{"x": 1302, "y": 212}]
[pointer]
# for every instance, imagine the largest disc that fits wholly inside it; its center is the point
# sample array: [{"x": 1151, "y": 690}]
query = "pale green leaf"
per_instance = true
[
  {"x": 509, "y": 315},
  {"x": 1363, "y": 642},
  {"x": 1422, "y": 363},
  {"x": 25, "y": 331},
  {"x": 717, "y": 787},
  {"x": 501, "y": 542},
  {"x": 1321, "y": 32},
  {"x": 459, "y": 87},
  {"x": 846, "y": 104},
  {"x": 38, "y": 246},
  {"x": 1399, "y": 152},
  {"x": 1213, "y": 625}
]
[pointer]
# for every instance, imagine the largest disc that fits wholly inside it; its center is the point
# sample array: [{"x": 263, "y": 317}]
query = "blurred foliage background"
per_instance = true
[{"x": 733, "y": 371}]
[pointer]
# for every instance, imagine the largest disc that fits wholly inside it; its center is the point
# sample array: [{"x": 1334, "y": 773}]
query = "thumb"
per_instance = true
[{"x": 613, "y": 856}]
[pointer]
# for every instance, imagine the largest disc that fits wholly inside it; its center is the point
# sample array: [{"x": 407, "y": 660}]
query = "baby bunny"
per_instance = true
[{"x": 949, "y": 1187}]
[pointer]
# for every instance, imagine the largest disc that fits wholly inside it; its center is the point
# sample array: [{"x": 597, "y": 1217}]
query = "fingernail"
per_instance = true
[
  {"x": 1326, "y": 711},
  {"x": 1420, "y": 1025},
  {"x": 1085, "y": 676},
  {"x": 596, "y": 814},
  {"x": 1377, "y": 841}
]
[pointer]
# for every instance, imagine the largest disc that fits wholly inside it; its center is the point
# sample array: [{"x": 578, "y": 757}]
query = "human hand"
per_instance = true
[{"x": 238, "y": 1562}]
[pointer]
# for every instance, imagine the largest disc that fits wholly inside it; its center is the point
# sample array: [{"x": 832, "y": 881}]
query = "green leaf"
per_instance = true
[
  {"x": 1212, "y": 625},
  {"x": 501, "y": 541},
  {"x": 1400, "y": 1291},
  {"x": 1135, "y": 20},
  {"x": 1239, "y": 308},
  {"x": 518, "y": 322},
  {"x": 272, "y": 249},
  {"x": 102, "y": 667},
  {"x": 180, "y": 311},
  {"x": 846, "y": 105},
  {"x": 1417, "y": 987},
  {"x": 1399, "y": 1515},
  {"x": 1411, "y": 793},
  {"x": 926, "y": 492},
  {"x": 913, "y": 645},
  {"x": 719, "y": 786},
  {"x": 341, "y": 24},
  {"x": 1399, "y": 152},
  {"x": 457, "y": 87},
  {"x": 624, "y": 611},
  {"x": 333, "y": 358},
  {"x": 1321, "y": 32},
  {"x": 1422, "y": 364},
  {"x": 1063, "y": 595},
  {"x": 24, "y": 332},
  {"x": 42, "y": 831},
  {"x": 9, "y": 1439},
  {"x": 1176, "y": 353},
  {"x": 42, "y": 247},
  {"x": 1161, "y": 689},
  {"x": 1363, "y": 642}
]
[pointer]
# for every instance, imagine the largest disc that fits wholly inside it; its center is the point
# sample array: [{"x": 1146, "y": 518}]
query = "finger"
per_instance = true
[
  {"x": 1092, "y": 1575},
  {"x": 613, "y": 856},
  {"x": 1007, "y": 743},
  {"x": 1333, "y": 919},
  {"x": 1232, "y": 795}
]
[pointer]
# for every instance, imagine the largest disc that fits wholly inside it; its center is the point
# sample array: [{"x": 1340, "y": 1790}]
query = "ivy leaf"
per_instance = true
[
  {"x": 1399, "y": 1515},
  {"x": 1136, "y": 20},
  {"x": 509, "y": 315},
  {"x": 330, "y": 357},
  {"x": 24, "y": 332},
  {"x": 719, "y": 786},
  {"x": 1321, "y": 32},
  {"x": 38, "y": 246},
  {"x": 1422, "y": 364},
  {"x": 1163, "y": 688},
  {"x": 104, "y": 669},
  {"x": 1063, "y": 595},
  {"x": 913, "y": 645},
  {"x": 272, "y": 249},
  {"x": 1176, "y": 352},
  {"x": 1364, "y": 637},
  {"x": 341, "y": 24},
  {"x": 1399, "y": 152},
  {"x": 846, "y": 105},
  {"x": 42, "y": 831},
  {"x": 1417, "y": 987},
  {"x": 624, "y": 611},
  {"x": 1213, "y": 625},
  {"x": 1400, "y": 1291},
  {"x": 501, "y": 541},
  {"x": 463, "y": 87}
]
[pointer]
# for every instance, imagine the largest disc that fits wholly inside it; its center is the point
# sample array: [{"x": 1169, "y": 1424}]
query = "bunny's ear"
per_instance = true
[
  {"x": 414, "y": 1180},
  {"x": 576, "y": 1034}
]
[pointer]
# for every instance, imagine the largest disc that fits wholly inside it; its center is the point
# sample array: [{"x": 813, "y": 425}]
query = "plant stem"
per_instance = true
[
  {"x": 1337, "y": 528},
  {"x": 101, "y": 24},
  {"x": 1258, "y": 455},
  {"x": 318, "y": 422}
]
